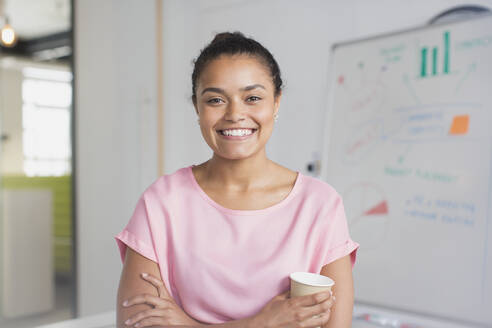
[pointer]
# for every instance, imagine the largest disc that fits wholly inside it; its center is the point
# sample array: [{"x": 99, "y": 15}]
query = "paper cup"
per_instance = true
[{"x": 306, "y": 283}]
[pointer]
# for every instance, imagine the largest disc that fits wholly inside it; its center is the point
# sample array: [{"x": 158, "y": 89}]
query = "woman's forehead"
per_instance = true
[{"x": 235, "y": 69}]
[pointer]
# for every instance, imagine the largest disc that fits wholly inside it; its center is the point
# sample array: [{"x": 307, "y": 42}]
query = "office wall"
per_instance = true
[
  {"x": 115, "y": 150},
  {"x": 116, "y": 98}
]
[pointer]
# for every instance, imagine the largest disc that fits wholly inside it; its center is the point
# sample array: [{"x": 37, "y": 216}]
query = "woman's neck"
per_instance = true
[{"x": 239, "y": 175}]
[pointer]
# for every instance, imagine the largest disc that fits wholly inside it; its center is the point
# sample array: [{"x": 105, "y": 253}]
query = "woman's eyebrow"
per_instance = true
[
  {"x": 218, "y": 90},
  {"x": 221, "y": 91},
  {"x": 251, "y": 87}
]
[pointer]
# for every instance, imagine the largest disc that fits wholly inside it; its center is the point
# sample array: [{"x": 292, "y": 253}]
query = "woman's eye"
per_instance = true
[
  {"x": 214, "y": 101},
  {"x": 253, "y": 99}
]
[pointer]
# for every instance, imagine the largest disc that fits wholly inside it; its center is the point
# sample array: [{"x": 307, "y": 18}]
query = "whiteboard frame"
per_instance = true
[{"x": 408, "y": 30}]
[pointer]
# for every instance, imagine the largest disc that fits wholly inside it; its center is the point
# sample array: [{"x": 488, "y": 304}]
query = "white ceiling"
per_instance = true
[{"x": 35, "y": 18}]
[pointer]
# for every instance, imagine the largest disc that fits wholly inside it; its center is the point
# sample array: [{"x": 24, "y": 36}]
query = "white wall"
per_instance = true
[
  {"x": 115, "y": 135},
  {"x": 116, "y": 158}
]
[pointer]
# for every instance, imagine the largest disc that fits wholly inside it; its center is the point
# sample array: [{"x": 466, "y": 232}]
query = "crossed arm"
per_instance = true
[{"x": 131, "y": 284}]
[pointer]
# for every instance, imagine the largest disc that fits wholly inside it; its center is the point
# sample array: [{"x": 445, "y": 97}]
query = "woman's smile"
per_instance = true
[{"x": 236, "y": 134}]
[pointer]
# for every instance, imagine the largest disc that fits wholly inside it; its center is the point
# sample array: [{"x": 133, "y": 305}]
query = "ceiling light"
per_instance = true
[{"x": 8, "y": 37}]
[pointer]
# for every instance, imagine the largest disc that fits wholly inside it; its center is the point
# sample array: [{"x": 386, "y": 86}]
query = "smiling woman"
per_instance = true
[{"x": 219, "y": 239}]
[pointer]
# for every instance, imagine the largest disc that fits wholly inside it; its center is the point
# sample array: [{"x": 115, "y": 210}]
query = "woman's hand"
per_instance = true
[
  {"x": 304, "y": 311},
  {"x": 165, "y": 311}
]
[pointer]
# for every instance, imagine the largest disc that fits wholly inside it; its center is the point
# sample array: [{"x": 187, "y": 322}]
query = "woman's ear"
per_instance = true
[
  {"x": 276, "y": 102},
  {"x": 193, "y": 98}
]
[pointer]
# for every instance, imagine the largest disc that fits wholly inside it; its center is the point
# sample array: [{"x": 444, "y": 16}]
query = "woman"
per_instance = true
[{"x": 217, "y": 241}]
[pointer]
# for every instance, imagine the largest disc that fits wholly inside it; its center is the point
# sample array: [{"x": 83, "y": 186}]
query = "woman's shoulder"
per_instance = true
[
  {"x": 169, "y": 183},
  {"x": 318, "y": 185},
  {"x": 312, "y": 186},
  {"x": 320, "y": 191}
]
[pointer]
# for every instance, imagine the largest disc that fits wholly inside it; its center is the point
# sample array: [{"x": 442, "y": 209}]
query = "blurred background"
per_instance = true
[
  {"x": 95, "y": 105},
  {"x": 36, "y": 249}
]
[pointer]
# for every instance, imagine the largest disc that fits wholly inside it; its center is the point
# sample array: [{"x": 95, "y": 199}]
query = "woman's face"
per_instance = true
[{"x": 235, "y": 96}]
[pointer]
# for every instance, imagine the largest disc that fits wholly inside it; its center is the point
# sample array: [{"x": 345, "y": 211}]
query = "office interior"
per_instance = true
[{"x": 95, "y": 106}]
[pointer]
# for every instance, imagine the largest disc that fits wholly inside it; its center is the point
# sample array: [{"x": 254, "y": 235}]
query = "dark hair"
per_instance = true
[{"x": 227, "y": 43}]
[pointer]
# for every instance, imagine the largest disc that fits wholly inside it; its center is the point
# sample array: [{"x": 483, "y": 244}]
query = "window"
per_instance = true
[{"x": 47, "y": 99}]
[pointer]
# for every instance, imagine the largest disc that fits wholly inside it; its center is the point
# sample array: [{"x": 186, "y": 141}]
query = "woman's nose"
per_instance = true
[{"x": 234, "y": 111}]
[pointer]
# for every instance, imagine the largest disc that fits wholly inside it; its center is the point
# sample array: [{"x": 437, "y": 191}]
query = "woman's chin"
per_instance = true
[{"x": 234, "y": 155}]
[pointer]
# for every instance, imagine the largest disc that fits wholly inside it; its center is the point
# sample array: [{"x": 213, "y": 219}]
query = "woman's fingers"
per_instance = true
[
  {"x": 321, "y": 308},
  {"x": 283, "y": 296},
  {"x": 157, "y": 283},
  {"x": 147, "y": 299},
  {"x": 313, "y": 299},
  {"x": 317, "y": 321},
  {"x": 150, "y": 322},
  {"x": 144, "y": 314}
]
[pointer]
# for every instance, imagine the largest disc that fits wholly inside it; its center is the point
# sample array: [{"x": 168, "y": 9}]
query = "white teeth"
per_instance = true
[{"x": 237, "y": 132}]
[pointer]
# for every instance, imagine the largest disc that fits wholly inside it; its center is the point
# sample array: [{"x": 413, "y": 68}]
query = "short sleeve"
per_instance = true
[
  {"x": 137, "y": 234},
  {"x": 338, "y": 234}
]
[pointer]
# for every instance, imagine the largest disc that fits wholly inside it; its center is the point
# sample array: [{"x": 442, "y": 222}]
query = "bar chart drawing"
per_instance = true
[{"x": 425, "y": 53}]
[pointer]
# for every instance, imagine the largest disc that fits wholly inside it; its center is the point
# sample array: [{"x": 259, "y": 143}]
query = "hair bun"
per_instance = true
[{"x": 219, "y": 37}]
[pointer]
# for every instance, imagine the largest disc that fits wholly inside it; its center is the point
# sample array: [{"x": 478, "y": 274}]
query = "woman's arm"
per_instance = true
[
  {"x": 131, "y": 285},
  {"x": 134, "y": 288},
  {"x": 341, "y": 312}
]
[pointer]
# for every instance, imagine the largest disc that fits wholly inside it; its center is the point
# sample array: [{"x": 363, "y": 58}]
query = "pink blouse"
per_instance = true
[{"x": 221, "y": 264}]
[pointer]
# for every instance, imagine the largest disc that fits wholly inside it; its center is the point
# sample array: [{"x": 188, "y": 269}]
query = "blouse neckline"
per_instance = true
[{"x": 268, "y": 209}]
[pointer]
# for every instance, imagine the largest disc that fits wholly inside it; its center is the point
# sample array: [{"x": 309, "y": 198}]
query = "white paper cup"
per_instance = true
[{"x": 307, "y": 283}]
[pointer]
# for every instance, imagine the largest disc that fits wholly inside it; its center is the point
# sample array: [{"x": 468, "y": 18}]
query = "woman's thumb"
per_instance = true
[{"x": 283, "y": 296}]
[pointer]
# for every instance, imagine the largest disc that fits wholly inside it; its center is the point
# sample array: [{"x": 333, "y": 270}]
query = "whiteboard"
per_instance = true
[{"x": 409, "y": 148}]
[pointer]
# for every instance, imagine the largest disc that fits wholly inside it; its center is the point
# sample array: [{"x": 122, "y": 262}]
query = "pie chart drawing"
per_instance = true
[{"x": 367, "y": 211}]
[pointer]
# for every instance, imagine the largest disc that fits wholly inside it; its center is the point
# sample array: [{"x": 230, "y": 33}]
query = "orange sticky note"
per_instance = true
[{"x": 460, "y": 124}]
